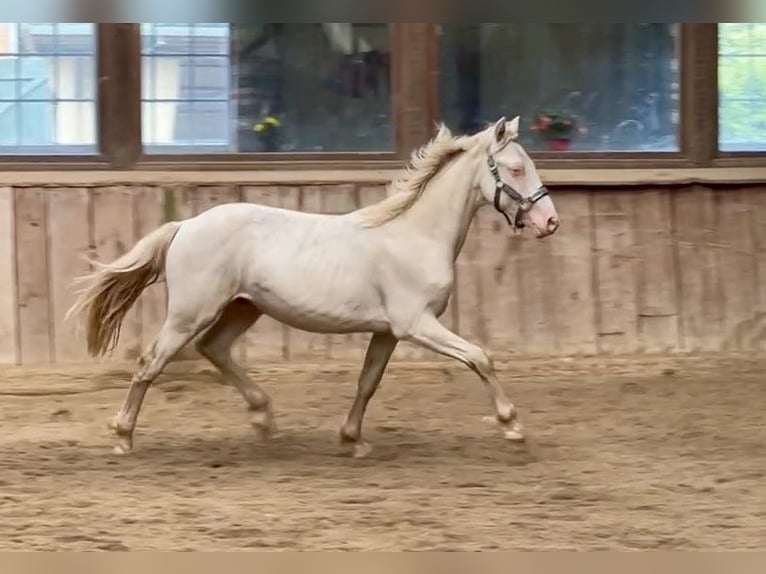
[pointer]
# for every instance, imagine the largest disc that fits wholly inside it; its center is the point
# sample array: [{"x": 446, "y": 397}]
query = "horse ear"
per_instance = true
[
  {"x": 442, "y": 131},
  {"x": 513, "y": 127},
  {"x": 500, "y": 129}
]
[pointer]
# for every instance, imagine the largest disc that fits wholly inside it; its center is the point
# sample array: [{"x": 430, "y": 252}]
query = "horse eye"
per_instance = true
[{"x": 516, "y": 171}]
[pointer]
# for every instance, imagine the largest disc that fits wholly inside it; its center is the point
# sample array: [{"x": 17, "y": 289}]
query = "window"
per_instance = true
[
  {"x": 213, "y": 94},
  {"x": 186, "y": 87},
  {"x": 217, "y": 88},
  {"x": 584, "y": 87},
  {"x": 47, "y": 89},
  {"x": 742, "y": 87}
]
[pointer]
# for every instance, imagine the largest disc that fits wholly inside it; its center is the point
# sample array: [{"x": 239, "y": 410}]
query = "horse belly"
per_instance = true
[
  {"x": 316, "y": 277},
  {"x": 331, "y": 315},
  {"x": 318, "y": 322},
  {"x": 319, "y": 301}
]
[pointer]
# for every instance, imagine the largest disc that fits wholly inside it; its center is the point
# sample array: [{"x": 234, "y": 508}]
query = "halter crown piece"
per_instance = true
[{"x": 524, "y": 203}]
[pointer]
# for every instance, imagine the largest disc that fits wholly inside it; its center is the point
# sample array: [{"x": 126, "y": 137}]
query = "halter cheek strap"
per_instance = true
[{"x": 524, "y": 203}]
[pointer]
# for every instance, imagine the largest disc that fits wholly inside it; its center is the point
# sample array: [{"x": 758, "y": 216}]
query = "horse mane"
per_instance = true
[{"x": 424, "y": 164}]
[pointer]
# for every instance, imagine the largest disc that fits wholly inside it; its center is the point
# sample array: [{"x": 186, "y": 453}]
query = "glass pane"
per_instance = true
[
  {"x": 185, "y": 39},
  {"x": 47, "y": 88},
  {"x": 36, "y": 123},
  {"x": 162, "y": 77},
  {"x": 209, "y": 80},
  {"x": 75, "y": 77},
  {"x": 7, "y": 84},
  {"x": 581, "y": 87},
  {"x": 325, "y": 86},
  {"x": 186, "y": 126},
  {"x": 742, "y": 87},
  {"x": 35, "y": 77}
]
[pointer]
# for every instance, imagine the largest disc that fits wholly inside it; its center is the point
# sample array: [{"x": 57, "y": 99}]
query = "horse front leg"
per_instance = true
[
  {"x": 376, "y": 359},
  {"x": 429, "y": 333}
]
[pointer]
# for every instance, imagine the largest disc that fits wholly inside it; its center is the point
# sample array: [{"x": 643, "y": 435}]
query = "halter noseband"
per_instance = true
[{"x": 524, "y": 203}]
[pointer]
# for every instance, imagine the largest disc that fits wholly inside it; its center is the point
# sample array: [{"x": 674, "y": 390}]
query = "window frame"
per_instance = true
[
  {"x": 69, "y": 161},
  {"x": 415, "y": 111},
  {"x": 305, "y": 160},
  {"x": 730, "y": 158},
  {"x": 410, "y": 88}
]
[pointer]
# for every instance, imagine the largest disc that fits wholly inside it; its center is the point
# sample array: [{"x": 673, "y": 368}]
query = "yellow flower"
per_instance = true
[
  {"x": 260, "y": 128},
  {"x": 272, "y": 121}
]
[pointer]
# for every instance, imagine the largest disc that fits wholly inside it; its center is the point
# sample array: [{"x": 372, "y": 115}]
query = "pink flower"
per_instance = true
[{"x": 545, "y": 121}]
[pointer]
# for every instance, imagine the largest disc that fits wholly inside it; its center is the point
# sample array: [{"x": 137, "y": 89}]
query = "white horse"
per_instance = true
[{"x": 387, "y": 269}]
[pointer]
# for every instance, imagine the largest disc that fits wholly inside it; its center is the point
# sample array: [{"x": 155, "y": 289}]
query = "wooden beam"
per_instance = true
[
  {"x": 699, "y": 93},
  {"x": 119, "y": 93},
  {"x": 413, "y": 53},
  {"x": 553, "y": 177}
]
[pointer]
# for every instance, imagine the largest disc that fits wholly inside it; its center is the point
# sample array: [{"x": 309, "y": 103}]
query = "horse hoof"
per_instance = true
[
  {"x": 121, "y": 449},
  {"x": 361, "y": 450},
  {"x": 514, "y": 432},
  {"x": 263, "y": 433},
  {"x": 514, "y": 436},
  {"x": 124, "y": 436},
  {"x": 354, "y": 448},
  {"x": 263, "y": 424}
]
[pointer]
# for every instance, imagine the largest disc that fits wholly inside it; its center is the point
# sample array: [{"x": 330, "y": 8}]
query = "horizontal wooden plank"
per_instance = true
[
  {"x": 632, "y": 270},
  {"x": 699, "y": 279},
  {"x": 8, "y": 320},
  {"x": 757, "y": 201},
  {"x": 616, "y": 271},
  {"x": 296, "y": 176},
  {"x": 572, "y": 274},
  {"x": 738, "y": 271},
  {"x": 149, "y": 204},
  {"x": 69, "y": 246},
  {"x": 33, "y": 276},
  {"x": 114, "y": 233},
  {"x": 658, "y": 318}
]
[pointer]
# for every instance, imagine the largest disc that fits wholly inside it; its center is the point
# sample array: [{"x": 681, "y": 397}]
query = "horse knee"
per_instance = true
[
  {"x": 480, "y": 361},
  {"x": 208, "y": 349}
]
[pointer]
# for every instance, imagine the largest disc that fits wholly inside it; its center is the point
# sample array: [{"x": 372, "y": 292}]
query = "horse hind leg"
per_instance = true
[
  {"x": 215, "y": 345},
  {"x": 175, "y": 333},
  {"x": 169, "y": 341}
]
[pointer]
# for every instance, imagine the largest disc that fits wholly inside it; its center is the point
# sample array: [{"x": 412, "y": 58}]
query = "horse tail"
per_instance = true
[{"x": 112, "y": 289}]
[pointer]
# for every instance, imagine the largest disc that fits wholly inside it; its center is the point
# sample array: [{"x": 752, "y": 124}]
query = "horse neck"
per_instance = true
[{"x": 446, "y": 208}]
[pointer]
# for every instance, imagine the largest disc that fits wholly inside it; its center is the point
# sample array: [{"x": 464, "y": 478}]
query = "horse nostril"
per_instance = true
[{"x": 553, "y": 223}]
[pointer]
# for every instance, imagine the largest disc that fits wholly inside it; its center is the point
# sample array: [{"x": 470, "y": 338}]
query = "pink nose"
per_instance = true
[{"x": 552, "y": 224}]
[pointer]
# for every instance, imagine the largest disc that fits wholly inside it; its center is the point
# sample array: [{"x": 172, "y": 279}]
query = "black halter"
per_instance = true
[{"x": 524, "y": 203}]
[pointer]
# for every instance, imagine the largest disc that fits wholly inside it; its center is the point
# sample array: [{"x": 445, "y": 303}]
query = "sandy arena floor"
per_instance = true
[{"x": 626, "y": 454}]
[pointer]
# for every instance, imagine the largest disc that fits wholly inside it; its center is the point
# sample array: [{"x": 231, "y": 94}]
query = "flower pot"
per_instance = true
[
  {"x": 269, "y": 141},
  {"x": 558, "y": 144}
]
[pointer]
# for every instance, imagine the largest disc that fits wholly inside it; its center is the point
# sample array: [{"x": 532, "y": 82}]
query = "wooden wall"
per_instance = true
[{"x": 632, "y": 270}]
